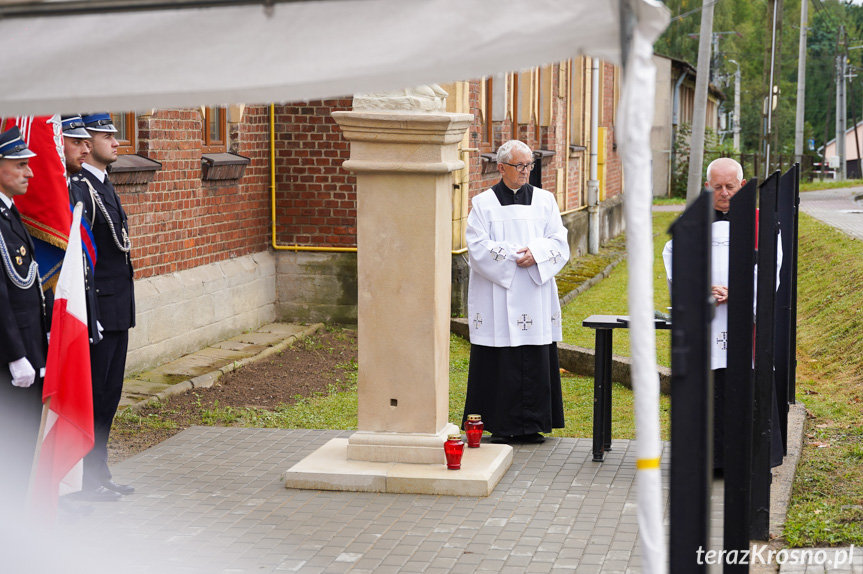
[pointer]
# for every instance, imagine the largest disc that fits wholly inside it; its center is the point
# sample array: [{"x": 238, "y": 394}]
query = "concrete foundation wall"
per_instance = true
[
  {"x": 178, "y": 313},
  {"x": 611, "y": 220},
  {"x": 460, "y": 274},
  {"x": 611, "y": 224},
  {"x": 576, "y": 224},
  {"x": 316, "y": 286},
  {"x": 660, "y": 133}
]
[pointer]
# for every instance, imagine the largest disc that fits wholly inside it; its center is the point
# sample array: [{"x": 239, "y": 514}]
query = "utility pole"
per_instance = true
[
  {"x": 833, "y": 84},
  {"x": 716, "y": 65},
  {"x": 736, "y": 124},
  {"x": 859, "y": 171},
  {"x": 801, "y": 82},
  {"x": 699, "y": 112},
  {"x": 714, "y": 61},
  {"x": 841, "y": 109},
  {"x": 772, "y": 88},
  {"x": 854, "y": 123}
]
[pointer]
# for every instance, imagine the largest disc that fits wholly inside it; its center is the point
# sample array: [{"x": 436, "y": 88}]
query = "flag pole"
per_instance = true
[
  {"x": 39, "y": 438},
  {"x": 66, "y": 428}
]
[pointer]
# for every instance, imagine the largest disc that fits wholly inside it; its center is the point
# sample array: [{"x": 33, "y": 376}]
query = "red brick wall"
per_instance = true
[
  {"x": 574, "y": 192},
  {"x": 474, "y": 162},
  {"x": 552, "y": 137},
  {"x": 316, "y": 201},
  {"x": 178, "y": 221}
]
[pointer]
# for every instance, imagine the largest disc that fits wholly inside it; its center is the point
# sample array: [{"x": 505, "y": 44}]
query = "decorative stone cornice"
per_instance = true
[{"x": 403, "y": 141}]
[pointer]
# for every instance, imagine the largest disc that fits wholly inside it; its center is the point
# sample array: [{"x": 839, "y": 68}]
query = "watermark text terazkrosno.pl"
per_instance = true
[{"x": 762, "y": 554}]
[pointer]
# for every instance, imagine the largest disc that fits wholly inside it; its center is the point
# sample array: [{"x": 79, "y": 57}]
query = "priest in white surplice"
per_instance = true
[
  {"x": 725, "y": 178},
  {"x": 517, "y": 244}
]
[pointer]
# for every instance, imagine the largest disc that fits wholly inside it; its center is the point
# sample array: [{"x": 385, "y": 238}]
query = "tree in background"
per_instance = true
[
  {"x": 714, "y": 147},
  {"x": 751, "y": 20}
]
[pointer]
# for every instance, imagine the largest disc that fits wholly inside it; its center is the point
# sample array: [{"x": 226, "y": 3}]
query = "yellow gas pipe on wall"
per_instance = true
[{"x": 276, "y": 246}]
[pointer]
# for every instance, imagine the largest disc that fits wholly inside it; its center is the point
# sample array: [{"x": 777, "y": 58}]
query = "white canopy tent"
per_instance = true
[
  {"x": 67, "y": 56},
  {"x": 295, "y": 50}
]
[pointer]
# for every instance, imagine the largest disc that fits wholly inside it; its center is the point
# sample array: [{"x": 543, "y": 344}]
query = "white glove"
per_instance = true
[{"x": 23, "y": 374}]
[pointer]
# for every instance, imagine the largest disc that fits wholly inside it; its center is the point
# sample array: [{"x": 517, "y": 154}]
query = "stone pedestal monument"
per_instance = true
[{"x": 403, "y": 148}]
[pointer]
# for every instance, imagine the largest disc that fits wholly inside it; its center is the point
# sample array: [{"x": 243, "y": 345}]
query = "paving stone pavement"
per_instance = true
[
  {"x": 210, "y": 500},
  {"x": 840, "y": 208},
  {"x": 847, "y": 560}
]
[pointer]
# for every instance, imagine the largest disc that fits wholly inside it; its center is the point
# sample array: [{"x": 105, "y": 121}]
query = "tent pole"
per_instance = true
[{"x": 635, "y": 124}]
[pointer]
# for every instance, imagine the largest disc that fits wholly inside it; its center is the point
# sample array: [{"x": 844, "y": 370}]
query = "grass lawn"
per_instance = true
[
  {"x": 827, "y": 502},
  {"x": 609, "y": 298},
  {"x": 830, "y": 184}
]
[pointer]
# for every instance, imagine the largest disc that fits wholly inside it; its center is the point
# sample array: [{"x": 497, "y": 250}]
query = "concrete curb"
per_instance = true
[
  {"x": 581, "y": 361},
  {"x": 780, "y": 494},
  {"x": 783, "y": 476},
  {"x": 210, "y": 379}
]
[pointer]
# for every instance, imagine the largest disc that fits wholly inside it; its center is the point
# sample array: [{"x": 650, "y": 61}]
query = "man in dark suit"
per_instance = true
[
  {"x": 23, "y": 332},
  {"x": 113, "y": 277}
]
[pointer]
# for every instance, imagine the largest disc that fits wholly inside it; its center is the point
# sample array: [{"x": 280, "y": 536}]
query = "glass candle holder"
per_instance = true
[
  {"x": 453, "y": 448},
  {"x": 473, "y": 429}
]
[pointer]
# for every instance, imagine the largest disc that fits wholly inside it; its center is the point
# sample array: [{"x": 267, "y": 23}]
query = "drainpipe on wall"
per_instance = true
[
  {"x": 593, "y": 182},
  {"x": 675, "y": 118}
]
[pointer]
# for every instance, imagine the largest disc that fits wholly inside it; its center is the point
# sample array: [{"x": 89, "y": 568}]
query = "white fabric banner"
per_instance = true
[{"x": 134, "y": 61}]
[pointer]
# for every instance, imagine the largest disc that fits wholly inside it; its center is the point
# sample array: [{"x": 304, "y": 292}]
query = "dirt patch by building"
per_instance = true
[{"x": 310, "y": 366}]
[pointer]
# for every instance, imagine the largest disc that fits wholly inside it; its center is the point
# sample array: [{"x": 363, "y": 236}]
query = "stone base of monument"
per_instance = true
[
  {"x": 329, "y": 468},
  {"x": 424, "y": 448}
]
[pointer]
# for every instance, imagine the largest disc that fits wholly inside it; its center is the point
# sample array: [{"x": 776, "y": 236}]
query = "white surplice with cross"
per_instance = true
[
  {"x": 721, "y": 235},
  {"x": 718, "y": 276},
  {"x": 508, "y": 305}
]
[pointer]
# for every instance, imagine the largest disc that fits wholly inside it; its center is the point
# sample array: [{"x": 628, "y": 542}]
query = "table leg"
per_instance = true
[
  {"x": 606, "y": 403},
  {"x": 601, "y": 378}
]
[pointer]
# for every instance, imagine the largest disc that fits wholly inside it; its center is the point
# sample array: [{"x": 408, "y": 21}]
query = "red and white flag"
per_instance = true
[
  {"x": 45, "y": 207},
  {"x": 67, "y": 393}
]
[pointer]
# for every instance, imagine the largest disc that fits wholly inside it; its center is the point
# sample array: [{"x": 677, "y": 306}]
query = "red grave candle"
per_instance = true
[
  {"x": 453, "y": 448},
  {"x": 473, "y": 428}
]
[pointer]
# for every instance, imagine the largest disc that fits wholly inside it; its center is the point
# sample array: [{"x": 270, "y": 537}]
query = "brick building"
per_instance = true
[{"x": 243, "y": 214}]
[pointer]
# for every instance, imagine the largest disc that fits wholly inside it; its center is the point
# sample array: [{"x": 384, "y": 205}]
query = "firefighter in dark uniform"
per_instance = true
[
  {"x": 76, "y": 148},
  {"x": 23, "y": 330},
  {"x": 113, "y": 278}
]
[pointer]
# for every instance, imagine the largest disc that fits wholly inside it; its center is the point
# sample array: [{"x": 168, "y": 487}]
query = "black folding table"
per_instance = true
[{"x": 605, "y": 326}]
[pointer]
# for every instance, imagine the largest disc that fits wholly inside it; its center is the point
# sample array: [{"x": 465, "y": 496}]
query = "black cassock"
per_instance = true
[{"x": 516, "y": 390}]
